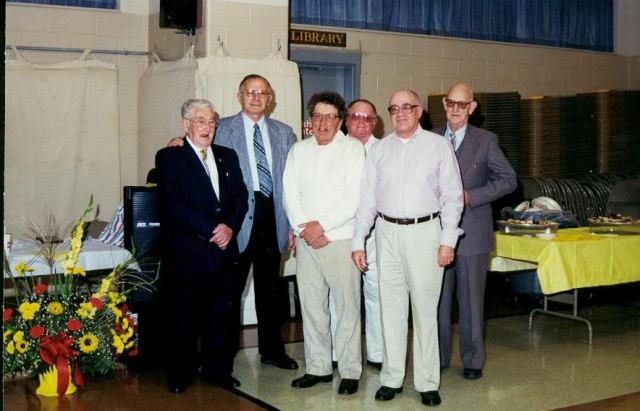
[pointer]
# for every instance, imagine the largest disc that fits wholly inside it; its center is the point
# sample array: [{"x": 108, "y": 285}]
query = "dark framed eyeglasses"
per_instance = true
[
  {"x": 405, "y": 108},
  {"x": 461, "y": 104},
  {"x": 256, "y": 93},
  {"x": 318, "y": 117}
]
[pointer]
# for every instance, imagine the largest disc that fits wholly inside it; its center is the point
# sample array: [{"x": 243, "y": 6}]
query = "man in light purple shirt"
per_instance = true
[{"x": 412, "y": 184}]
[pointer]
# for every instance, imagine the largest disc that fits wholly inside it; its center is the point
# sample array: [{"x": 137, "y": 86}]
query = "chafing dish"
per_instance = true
[{"x": 516, "y": 227}]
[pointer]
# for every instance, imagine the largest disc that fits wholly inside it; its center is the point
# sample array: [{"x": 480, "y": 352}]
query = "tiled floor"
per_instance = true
[{"x": 551, "y": 367}]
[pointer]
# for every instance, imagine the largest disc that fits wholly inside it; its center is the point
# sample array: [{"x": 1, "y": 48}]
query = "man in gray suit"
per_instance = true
[
  {"x": 262, "y": 145},
  {"x": 486, "y": 176}
]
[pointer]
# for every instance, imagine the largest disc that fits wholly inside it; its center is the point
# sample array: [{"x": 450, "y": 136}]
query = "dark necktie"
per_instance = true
[{"x": 264, "y": 175}]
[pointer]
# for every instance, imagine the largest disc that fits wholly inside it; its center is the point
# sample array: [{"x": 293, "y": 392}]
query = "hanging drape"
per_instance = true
[
  {"x": 582, "y": 24},
  {"x": 98, "y": 4},
  {"x": 166, "y": 85},
  {"x": 61, "y": 139}
]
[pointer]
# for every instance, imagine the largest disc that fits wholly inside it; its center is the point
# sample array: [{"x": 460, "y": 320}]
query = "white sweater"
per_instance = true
[{"x": 322, "y": 183}]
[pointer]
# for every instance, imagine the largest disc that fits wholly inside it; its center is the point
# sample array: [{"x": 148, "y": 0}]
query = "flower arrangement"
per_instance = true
[{"x": 63, "y": 325}]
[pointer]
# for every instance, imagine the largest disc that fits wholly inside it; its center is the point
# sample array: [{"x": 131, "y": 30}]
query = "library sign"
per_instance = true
[{"x": 320, "y": 38}]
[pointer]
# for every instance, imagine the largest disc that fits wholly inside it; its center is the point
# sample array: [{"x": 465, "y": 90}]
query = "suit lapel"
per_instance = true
[
  {"x": 466, "y": 150},
  {"x": 197, "y": 172}
]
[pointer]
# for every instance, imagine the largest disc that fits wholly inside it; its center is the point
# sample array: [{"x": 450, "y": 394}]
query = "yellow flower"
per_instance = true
[
  {"x": 11, "y": 348},
  {"x": 5, "y": 335},
  {"x": 86, "y": 310},
  {"x": 55, "y": 308},
  {"x": 78, "y": 271},
  {"x": 89, "y": 343},
  {"x": 22, "y": 346},
  {"x": 18, "y": 336},
  {"x": 28, "y": 310},
  {"x": 116, "y": 298},
  {"x": 117, "y": 342},
  {"x": 22, "y": 268}
]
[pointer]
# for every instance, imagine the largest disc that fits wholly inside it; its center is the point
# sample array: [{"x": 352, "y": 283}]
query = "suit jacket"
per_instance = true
[
  {"x": 486, "y": 175},
  {"x": 190, "y": 209},
  {"x": 231, "y": 134}
]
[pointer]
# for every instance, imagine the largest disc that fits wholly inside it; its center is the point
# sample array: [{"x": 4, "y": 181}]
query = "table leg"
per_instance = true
[{"x": 562, "y": 298}]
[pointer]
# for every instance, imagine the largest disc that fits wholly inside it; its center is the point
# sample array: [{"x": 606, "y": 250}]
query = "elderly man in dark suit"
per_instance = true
[
  {"x": 486, "y": 176},
  {"x": 262, "y": 145},
  {"x": 202, "y": 201}
]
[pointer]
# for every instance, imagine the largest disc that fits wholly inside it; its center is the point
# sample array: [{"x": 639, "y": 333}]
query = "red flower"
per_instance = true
[
  {"x": 96, "y": 302},
  {"x": 40, "y": 288},
  {"x": 74, "y": 325},
  {"x": 36, "y": 331},
  {"x": 6, "y": 314}
]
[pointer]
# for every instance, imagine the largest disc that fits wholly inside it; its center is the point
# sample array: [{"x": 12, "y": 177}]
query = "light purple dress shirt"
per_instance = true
[{"x": 411, "y": 179}]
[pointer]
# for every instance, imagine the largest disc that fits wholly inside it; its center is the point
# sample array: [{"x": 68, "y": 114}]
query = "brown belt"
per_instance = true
[{"x": 407, "y": 221}]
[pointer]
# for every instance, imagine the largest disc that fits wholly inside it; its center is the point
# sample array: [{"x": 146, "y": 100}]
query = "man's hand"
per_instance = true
[
  {"x": 311, "y": 232},
  {"x": 291, "y": 243},
  {"x": 319, "y": 242},
  {"x": 466, "y": 198},
  {"x": 446, "y": 255},
  {"x": 222, "y": 234},
  {"x": 177, "y": 141},
  {"x": 359, "y": 259}
]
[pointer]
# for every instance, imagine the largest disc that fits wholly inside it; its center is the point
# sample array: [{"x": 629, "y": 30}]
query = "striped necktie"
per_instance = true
[
  {"x": 264, "y": 175},
  {"x": 452, "y": 138}
]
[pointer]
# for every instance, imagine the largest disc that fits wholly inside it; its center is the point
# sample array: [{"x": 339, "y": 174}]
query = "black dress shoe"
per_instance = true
[
  {"x": 177, "y": 388},
  {"x": 472, "y": 373},
  {"x": 284, "y": 361},
  {"x": 348, "y": 386},
  {"x": 376, "y": 365},
  {"x": 385, "y": 393},
  {"x": 226, "y": 381},
  {"x": 430, "y": 398},
  {"x": 309, "y": 380}
]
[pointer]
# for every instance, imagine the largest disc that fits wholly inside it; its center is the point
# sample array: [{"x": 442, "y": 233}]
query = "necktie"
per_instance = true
[
  {"x": 452, "y": 138},
  {"x": 203, "y": 156},
  {"x": 264, "y": 175}
]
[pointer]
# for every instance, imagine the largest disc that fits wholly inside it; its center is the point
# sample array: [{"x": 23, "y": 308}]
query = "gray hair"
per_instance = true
[{"x": 189, "y": 105}]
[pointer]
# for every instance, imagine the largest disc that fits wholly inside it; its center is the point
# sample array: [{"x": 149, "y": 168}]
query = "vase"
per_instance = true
[{"x": 49, "y": 383}]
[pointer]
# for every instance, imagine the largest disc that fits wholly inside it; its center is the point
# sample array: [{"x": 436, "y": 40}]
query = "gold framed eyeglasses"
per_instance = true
[
  {"x": 255, "y": 93},
  {"x": 204, "y": 122},
  {"x": 405, "y": 109},
  {"x": 461, "y": 104},
  {"x": 356, "y": 117}
]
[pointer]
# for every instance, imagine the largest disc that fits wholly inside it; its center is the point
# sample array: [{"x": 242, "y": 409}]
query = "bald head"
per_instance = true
[{"x": 459, "y": 104}]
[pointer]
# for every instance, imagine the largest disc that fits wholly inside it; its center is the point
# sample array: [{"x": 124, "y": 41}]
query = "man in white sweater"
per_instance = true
[{"x": 321, "y": 194}]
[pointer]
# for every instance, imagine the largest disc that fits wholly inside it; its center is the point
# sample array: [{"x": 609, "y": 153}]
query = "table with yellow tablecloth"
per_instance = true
[{"x": 574, "y": 259}]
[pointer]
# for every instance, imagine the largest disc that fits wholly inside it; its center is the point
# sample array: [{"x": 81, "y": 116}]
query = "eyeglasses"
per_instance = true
[
  {"x": 405, "y": 108},
  {"x": 461, "y": 104},
  {"x": 256, "y": 93},
  {"x": 203, "y": 122},
  {"x": 362, "y": 117},
  {"x": 317, "y": 117}
]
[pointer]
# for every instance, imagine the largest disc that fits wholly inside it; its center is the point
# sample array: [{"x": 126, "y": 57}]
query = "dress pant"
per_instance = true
[
  {"x": 409, "y": 272},
  {"x": 371, "y": 297},
  {"x": 271, "y": 297},
  {"x": 468, "y": 277},
  {"x": 317, "y": 272},
  {"x": 199, "y": 306}
]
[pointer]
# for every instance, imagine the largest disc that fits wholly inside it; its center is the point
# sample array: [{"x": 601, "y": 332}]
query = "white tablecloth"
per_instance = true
[{"x": 95, "y": 255}]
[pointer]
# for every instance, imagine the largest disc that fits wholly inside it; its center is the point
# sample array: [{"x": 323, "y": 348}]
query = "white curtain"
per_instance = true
[
  {"x": 61, "y": 139},
  {"x": 166, "y": 85}
]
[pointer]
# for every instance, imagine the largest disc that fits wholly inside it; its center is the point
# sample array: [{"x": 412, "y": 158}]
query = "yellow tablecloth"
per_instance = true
[{"x": 575, "y": 258}]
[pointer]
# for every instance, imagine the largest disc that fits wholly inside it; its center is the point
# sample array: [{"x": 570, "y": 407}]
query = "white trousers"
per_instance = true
[
  {"x": 371, "y": 293},
  {"x": 319, "y": 271},
  {"x": 409, "y": 273}
]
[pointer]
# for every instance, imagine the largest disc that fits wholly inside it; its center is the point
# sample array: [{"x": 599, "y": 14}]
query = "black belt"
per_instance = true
[{"x": 407, "y": 221}]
